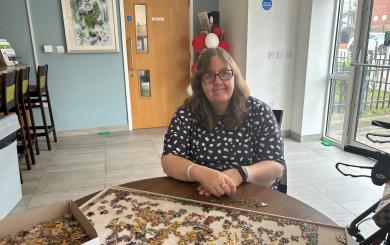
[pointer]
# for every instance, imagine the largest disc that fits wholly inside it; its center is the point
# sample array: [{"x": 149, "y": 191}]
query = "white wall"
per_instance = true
[
  {"x": 301, "y": 54},
  {"x": 296, "y": 79},
  {"x": 234, "y": 20},
  {"x": 271, "y": 80},
  {"x": 317, "y": 66}
]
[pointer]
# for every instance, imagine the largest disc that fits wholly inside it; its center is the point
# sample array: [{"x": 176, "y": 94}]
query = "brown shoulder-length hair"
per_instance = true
[{"x": 199, "y": 105}]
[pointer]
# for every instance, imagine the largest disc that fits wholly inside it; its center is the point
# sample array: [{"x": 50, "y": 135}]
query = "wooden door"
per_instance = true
[{"x": 157, "y": 39}]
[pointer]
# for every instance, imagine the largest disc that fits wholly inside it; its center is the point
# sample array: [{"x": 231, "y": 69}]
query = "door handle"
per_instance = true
[{"x": 130, "y": 62}]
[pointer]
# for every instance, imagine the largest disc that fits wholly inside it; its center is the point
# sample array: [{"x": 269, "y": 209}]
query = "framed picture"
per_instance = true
[
  {"x": 90, "y": 26},
  {"x": 204, "y": 21}
]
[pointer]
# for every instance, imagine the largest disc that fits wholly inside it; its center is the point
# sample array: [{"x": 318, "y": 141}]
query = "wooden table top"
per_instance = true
[{"x": 278, "y": 203}]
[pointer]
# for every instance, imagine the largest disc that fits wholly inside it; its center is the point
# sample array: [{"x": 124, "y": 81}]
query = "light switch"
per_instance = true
[
  {"x": 48, "y": 48},
  {"x": 60, "y": 49}
]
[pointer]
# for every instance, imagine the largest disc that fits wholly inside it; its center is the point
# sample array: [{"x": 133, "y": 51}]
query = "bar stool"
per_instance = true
[
  {"x": 9, "y": 104},
  {"x": 24, "y": 102},
  {"x": 38, "y": 95}
]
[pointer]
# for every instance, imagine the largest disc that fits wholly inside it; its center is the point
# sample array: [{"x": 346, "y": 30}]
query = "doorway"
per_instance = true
[
  {"x": 360, "y": 78},
  {"x": 158, "y": 57}
]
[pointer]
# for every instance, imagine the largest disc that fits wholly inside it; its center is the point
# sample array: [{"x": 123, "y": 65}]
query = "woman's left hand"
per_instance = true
[{"x": 227, "y": 189}]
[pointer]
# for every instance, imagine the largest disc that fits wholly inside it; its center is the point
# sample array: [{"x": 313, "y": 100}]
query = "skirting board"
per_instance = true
[
  {"x": 298, "y": 137},
  {"x": 86, "y": 131}
]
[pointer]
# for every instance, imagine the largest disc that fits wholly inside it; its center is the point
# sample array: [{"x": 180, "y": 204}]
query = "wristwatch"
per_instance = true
[{"x": 243, "y": 174}]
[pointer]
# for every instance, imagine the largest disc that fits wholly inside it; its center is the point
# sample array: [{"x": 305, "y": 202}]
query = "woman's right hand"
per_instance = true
[{"x": 213, "y": 181}]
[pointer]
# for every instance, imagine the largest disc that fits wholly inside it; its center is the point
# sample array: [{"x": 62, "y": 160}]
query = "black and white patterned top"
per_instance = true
[{"x": 256, "y": 139}]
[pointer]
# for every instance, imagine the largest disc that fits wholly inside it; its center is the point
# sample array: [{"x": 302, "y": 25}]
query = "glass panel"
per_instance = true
[
  {"x": 141, "y": 28},
  {"x": 336, "y": 110},
  {"x": 342, "y": 57},
  {"x": 144, "y": 83},
  {"x": 374, "y": 98},
  {"x": 344, "y": 36}
]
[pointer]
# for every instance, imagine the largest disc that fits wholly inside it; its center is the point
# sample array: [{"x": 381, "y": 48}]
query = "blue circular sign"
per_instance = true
[
  {"x": 267, "y": 4},
  {"x": 129, "y": 18}
]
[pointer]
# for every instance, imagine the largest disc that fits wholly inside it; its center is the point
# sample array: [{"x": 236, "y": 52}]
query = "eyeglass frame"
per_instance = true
[{"x": 215, "y": 76}]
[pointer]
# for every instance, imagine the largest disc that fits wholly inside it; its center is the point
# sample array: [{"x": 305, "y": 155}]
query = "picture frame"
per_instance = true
[{"x": 90, "y": 26}]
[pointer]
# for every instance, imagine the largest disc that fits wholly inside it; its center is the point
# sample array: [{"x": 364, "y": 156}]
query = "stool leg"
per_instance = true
[
  {"x": 26, "y": 130},
  {"x": 44, "y": 122},
  {"x": 51, "y": 116},
  {"x": 24, "y": 144},
  {"x": 34, "y": 130}
]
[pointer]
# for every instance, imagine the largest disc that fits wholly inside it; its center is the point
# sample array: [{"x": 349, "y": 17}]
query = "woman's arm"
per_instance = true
[
  {"x": 212, "y": 180},
  {"x": 265, "y": 173}
]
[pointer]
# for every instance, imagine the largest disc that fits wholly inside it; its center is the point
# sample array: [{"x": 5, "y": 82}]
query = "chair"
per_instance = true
[
  {"x": 39, "y": 94},
  {"x": 23, "y": 98},
  {"x": 8, "y": 105},
  {"x": 283, "y": 181}
]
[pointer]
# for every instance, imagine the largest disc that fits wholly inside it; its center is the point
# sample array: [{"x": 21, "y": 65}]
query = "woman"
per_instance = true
[{"x": 221, "y": 137}]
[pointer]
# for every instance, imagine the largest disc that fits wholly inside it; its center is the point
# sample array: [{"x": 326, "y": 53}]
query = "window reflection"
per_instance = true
[
  {"x": 144, "y": 83},
  {"x": 141, "y": 28}
]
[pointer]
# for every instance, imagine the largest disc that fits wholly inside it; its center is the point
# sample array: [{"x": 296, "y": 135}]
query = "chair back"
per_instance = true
[
  {"x": 283, "y": 181},
  {"x": 8, "y": 91},
  {"x": 23, "y": 81},
  {"x": 279, "y": 116},
  {"x": 42, "y": 78}
]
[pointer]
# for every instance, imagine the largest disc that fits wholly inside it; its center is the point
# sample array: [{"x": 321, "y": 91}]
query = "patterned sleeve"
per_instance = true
[
  {"x": 269, "y": 144},
  {"x": 177, "y": 138}
]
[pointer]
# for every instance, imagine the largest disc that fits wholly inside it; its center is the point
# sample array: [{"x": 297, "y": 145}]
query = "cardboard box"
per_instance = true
[{"x": 25, "y": 221}]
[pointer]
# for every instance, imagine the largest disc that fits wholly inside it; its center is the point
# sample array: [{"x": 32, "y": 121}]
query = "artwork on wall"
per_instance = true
[{"x": 90, "y": 25}]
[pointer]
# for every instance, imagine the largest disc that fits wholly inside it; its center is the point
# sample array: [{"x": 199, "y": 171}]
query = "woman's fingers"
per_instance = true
[
  {"x": 230, "y": 186},
  {"x": 220, "y": 189},
  {"x": 202, "y": 191}
]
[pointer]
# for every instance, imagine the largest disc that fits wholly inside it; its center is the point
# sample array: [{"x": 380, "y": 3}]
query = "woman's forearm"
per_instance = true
[
  {"x": 265, "y": 173},
  {"x": 176, "y": 167}
]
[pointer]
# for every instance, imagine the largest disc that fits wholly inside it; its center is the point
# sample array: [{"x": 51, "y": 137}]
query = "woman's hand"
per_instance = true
[
  {"x": 213, "y": 182},
  {"x": 234, "y": 175}
]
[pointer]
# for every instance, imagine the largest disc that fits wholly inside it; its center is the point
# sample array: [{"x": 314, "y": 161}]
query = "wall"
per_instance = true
[
  {"x": 234, "y": 20},
  {"x": 200, "y": 6},
  {"x": 285, "y": 56},
  {"x": 87, "y": 90},
  {"x": 317, "y": 67},
  {"x": 16, "y": 30},
  {"x": 270, "y": 78},
  {"x": 301, "y": 54}
]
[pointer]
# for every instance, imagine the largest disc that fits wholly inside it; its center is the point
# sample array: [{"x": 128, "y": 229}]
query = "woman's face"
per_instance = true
[{"x": 218, "y": 88}]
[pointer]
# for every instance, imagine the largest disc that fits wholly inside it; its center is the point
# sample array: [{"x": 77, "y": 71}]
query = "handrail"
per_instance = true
[{"x": 370, "y": 65}]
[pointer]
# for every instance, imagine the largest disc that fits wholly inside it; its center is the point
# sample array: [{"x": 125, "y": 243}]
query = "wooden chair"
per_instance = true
[
  {"x": 8, "y": 105},
  {"x": 23, "y": 98},
  {"x": 283, "y": 181},
  {"x": 39, "y": 94}
]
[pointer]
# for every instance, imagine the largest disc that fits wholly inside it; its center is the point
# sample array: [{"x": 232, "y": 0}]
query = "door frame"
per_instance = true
[
  {"x": 124, "y": 55},
  {"x": 353, "y": 79},
  {"x": 363, "y": 23}
]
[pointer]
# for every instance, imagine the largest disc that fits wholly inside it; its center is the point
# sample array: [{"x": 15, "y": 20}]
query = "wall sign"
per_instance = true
[
  {"x": 158, "y": 18},
  {"x": 267, "y": 4}
]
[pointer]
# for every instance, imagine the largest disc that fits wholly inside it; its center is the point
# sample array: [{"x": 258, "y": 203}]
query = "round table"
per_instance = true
[{"x": 278, "y": 203}]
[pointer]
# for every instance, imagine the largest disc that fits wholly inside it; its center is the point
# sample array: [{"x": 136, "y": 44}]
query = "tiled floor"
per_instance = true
[{"x": 80, "y": 165}]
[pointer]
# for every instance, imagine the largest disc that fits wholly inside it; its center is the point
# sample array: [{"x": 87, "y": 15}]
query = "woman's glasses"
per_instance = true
[{"x": 209, "y": 78}]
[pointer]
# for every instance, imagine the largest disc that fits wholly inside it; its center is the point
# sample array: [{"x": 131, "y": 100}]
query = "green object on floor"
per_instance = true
[
  {"x": 104, "y": 133},
  {"x": 326, "y": 143}
]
